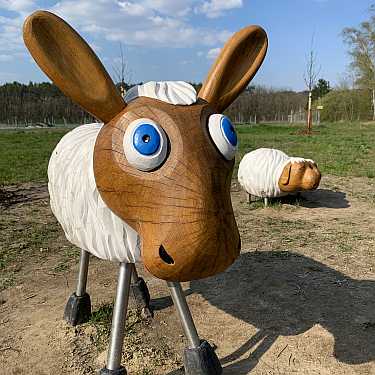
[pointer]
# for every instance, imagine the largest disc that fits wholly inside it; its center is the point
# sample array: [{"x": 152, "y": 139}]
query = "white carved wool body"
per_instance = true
[
  {"x": 75, "y": 200},
  {"x": 259, "y": 171}
]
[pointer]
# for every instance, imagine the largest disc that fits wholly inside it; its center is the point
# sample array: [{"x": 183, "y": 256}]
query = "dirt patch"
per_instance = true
[
  {"x": 300, "y": 299},
  {"x": 14, "y": 194}
]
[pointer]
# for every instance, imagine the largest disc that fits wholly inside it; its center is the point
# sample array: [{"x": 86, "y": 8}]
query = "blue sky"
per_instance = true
[{"x": 178, "y": 40}]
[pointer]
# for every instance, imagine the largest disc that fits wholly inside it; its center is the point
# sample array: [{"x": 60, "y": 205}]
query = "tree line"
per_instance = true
[
  {"x": 354, "y": 98},
  {"x": 44, "y": 104}
]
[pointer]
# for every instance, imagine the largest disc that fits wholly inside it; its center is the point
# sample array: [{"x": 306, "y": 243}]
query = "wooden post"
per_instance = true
[{"x": 309, "y": 113}]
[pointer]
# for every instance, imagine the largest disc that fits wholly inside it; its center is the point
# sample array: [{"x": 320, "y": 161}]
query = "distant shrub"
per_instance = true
[{"x": 346, "y": 105}]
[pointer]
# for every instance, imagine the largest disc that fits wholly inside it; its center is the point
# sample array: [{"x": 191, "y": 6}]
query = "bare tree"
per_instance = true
[
  {"x": 310, "y": 77},
  {"x": 122, "y": 71}
]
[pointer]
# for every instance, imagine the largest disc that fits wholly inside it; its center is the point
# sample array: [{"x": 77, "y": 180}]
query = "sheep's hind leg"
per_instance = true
[
  {"x": 78, "y": 307},
  {"x": 199, "y": 357},
  {"x": 141, "y": 294},
  {"x": 118, "y": 322}
]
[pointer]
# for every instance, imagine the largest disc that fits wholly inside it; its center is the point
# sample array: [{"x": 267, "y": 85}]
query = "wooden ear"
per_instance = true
[
  {"x": 236, "y": 65},
  {"x": 71, "y": 64},
  {"x": 285, "y": 175}
]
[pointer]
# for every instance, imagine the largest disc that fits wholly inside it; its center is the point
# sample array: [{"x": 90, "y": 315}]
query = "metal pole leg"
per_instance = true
[
  {"x": 141, "y": 294},
  {"x": 83, "y": 271},
  {"x": 265, "y": 202},
  {"x": 118, "y": 322},
  {"x": 199, "y": 356},
  {"x": 78, "y": 307}
]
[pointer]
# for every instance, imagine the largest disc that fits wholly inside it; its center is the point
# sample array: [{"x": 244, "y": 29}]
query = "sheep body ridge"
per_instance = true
[
  {"x": 259, "y": 171},
  {"x": 75, "y": 200}
]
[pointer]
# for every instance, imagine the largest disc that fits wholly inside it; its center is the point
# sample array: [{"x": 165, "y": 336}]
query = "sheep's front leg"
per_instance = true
[
  {"x": 78, "y": 307},
  {"x": 141, "y": 294},
  {"x": 199, "y": 356},
  {"x": 118, "y": 322}
]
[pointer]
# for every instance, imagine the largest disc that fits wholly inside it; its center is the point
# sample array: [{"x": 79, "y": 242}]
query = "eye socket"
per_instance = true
[
  {"x": 145, "y": 144},
  {"x": 223, "y": 134}
]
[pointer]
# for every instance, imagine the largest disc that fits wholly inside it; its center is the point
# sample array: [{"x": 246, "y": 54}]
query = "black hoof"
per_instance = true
[
  {"x": 142, "y": 297},
  {"x": 202, "y": 360},
  {"x": 77, "y": 309},
  {"x": 119, "y": 371}
]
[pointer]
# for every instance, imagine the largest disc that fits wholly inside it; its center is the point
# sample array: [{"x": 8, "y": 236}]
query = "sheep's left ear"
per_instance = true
[
  {"x": 236, "y": 65},
  {"x": 285, "y": 175}
]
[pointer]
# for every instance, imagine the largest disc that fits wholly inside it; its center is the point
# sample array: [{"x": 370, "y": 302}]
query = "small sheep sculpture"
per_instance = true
[
  {"x": 270, "y": 173},
  {"x": 152, "y": 181}
]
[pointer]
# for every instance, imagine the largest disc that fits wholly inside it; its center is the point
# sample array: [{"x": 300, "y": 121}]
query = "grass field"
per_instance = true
[
  {"x": 345, "y": 149},
  {"x": 341, "y": 149},
  {"x": 24, "y": 154},
  {"x": 305, "y": 294}
]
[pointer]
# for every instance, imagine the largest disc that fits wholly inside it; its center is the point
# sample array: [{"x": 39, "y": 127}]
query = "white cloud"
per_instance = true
[
  {"x": 10, "y": 35},
  {"x": 145, "y": 23},
  {"x": 216, "y": 8},
  {"x": 17, "y": 5},
  {"x": 5, "y": 58},
  {"x": 139, "y": 23},
  {"x": 213, "y": 53}
]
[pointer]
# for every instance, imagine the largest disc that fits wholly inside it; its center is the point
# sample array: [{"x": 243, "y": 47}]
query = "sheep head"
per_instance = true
[
  {"x": 299, "y": 176},
  {"x": 174, "y": 187}
]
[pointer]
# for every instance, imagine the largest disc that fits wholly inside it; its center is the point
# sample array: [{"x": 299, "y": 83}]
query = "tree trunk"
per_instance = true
[{"x": 309, "y": 114}]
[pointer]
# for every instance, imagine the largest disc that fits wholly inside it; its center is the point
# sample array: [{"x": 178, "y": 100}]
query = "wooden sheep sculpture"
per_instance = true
[
  {"x": 153, "y": 181},
  {"x": 270, "y": 173}
]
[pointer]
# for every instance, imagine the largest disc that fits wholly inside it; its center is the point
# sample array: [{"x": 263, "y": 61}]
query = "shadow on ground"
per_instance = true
[
  {"x": 318, "y": 198},
  {"x": 282, "y": 293}
]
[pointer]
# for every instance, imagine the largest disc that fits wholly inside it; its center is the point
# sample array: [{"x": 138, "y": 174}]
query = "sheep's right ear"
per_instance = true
[
  {"x": 71, "y": 64},
  {"x": 238, "y": 62},
  {"x": 285, "y": 175}
]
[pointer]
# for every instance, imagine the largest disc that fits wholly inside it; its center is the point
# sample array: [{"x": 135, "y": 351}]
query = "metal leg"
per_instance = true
[
  {"x": 199, "y": 356},
  {"x": 78, "y": 307},
  {"x": 118, "y": 322},
  {"x": 183, "y": 311},
  {"x": 265, "y": 202},
  {"x": 141, "y": 294},
  {"x": 82, "y": 274}
]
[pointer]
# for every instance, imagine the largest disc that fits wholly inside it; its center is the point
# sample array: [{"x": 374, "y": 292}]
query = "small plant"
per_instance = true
[{"x": 101, "y": 320}]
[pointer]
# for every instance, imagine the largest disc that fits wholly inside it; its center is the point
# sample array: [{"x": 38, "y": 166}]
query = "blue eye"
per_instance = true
[
  {"x": 146, "y": 139},
  {"x": 145, "y": 144},
  {"x": 228, "y": 131},
  {"x": 223, "y": 135}
]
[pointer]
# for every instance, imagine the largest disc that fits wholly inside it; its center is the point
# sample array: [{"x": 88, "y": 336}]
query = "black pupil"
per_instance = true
[{"x": 146, "y": 138}]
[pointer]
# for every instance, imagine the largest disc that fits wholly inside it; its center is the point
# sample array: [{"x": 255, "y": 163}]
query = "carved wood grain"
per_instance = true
[
  {"x": 184, "y": 205},
  {"x": 300, "y": 176},
  {"x": 71, "y": 64}
]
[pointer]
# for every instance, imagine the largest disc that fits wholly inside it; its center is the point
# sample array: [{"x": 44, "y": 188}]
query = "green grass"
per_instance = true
[
  {"x": 24, "y": 154},
  {"x": 342, "y": 149}
]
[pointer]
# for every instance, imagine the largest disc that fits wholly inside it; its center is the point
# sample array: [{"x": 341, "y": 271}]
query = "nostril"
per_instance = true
[{"x": 164, "y": 256}]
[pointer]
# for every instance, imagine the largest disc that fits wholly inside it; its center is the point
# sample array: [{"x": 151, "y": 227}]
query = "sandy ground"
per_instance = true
[{"x": 299, "y": 300}]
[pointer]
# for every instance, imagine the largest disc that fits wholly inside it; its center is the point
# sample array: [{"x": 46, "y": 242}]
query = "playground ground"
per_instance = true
[{"x": 299, "y": 300}]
